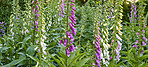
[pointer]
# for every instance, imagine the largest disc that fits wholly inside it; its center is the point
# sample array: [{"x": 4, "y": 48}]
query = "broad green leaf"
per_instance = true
[
  {"x": 33, "y": 58},
  {"x": 56, "y": 60},
  {"x": 124, "y": 52},
  {"x": 62, "y": 55},
  {"x": 74, "y": 59},
  {"x": 126, "y": 58},
  {"x": 15, "y": 62},
  {"x": 30, "y": 50},
  {"x": 80, "y": 63},
  {"x": 62, "y": 60},
  {"x": 143, "y": 57}
]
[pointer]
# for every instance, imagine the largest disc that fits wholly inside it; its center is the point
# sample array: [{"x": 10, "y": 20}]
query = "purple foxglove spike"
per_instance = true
[
  {"x": 144, "y": 39},
  {"x": 92, "y": 58},
  {"x": 142, "y": 51},
  {"x": 134, "y": 45},
  {"x": 112, "y": 52},
  {"x": 37, "y": 27},
  {"x": 73, "y": 17},
  {"x": 68, "y": 53},
  {"x": 74, "y": 32},
  {"x": 37, "y": 30},
  {"x": 93, "y": 42},
  {"x": 36, "y": 23},
  {"x": 37, "y": 6},
  {"x": 37, "y": 15},
  {"x": 68, "y": 34},
  {"x": 138, "y": 33},
  {"x": 72, "y": 28},
  {"x": 110, "y": 58},
  {"x": 144, "y": 26},
  {"x": 72, "y": 12},
  {"x": 63, "y": 0},
  {"x": 137, "y": 46},
  {"x": 72, "y": 48},
  {"x": 61, "y": 41},
  {"x": 72, "y": 24},
  {"x": 137, "y": 41},
  {"x": 143, "y": 31},
  {"x": 73, "y": 0},
  {"x": 65, "y": 43},
  {"x": 32, "y": 2},
  {"x": 61, "y": 15},
  {"x": 38, "y": 3},
  {"x": 34, "y": 11},
  {"x": 143, "y": 43},
  {"x": 70, "y": 43},
  {"x": 37, "y": 10},
  {"x": 70, "y": 4},
  {"x": 73, "y": 8},
  {"x": 73, "y": 21},
  {"x": 96, "y": 46}
]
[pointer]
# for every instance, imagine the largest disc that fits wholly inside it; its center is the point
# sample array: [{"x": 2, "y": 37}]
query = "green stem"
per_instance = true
[{"x": 67, "y": 30}]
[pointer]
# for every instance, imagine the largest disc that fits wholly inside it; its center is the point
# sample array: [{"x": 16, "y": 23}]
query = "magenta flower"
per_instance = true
[
  {"x": 138, "y": 33},
  {"x": 37, "y": 15},
  {"x": 73, "y": 0},
  {"x": 68, "y": 53},
  {"x": 37, "y": 7},
  {"x": 61, "y": 41},
  {"x": 110, "y": 58},
  {"x": 134, "y": 45},
  {"x": 72, "y": 48},
  {"x": 36, "y": 23},
  {"x": 34, "y": 11},
  {"x": 65, "y": 43},
  {"x": 32, "y": 2},
  {"x": 73, "y": 8}
]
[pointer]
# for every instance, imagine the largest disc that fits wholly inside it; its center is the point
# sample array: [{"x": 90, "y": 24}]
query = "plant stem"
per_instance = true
[{"x": 67, "y": 30}]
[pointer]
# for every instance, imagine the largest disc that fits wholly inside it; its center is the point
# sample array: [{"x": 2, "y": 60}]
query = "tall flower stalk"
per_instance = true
[
  {"x": 35, "y": 10},
  {"x": 68, "y": 41}
]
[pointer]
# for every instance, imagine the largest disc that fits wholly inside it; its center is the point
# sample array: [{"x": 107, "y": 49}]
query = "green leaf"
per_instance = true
[
  {"x": 74, "y": 59},
  {"x": 33, "y": 58},
  {"x": 56, "y": 60},
  {"x": 62, "y": 55},
  {"x": 124, "y": 52},
  {"x": 62, "y": 60},
  {"x": 82, "y": 62},
  {"x": 143, "y": 57},
  {"x": 145, "y": 51},
  {"x": 126, "y": 58},
  {"x": 15, "y": 62},
  {"x": 30, "y": 50}
]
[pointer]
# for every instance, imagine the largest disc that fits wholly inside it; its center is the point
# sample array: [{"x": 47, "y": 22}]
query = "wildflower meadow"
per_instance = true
[{"x": 73, "y": 33}]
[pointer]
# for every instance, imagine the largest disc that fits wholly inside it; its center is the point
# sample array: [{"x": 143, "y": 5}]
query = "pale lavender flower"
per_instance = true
[
  {"x": 144, "y": 39},
  {"x": 138, "y": 33},
  {"x": 143, "y": 43},
  {"x": 143, "y": 31}
]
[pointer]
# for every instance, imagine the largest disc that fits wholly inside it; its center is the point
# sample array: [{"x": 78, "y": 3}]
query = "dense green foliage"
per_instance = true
[{"x": 21, "y": 45}]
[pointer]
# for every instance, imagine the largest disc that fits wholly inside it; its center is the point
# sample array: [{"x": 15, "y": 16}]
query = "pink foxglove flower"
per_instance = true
[{"x": 68, "y": 53}]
